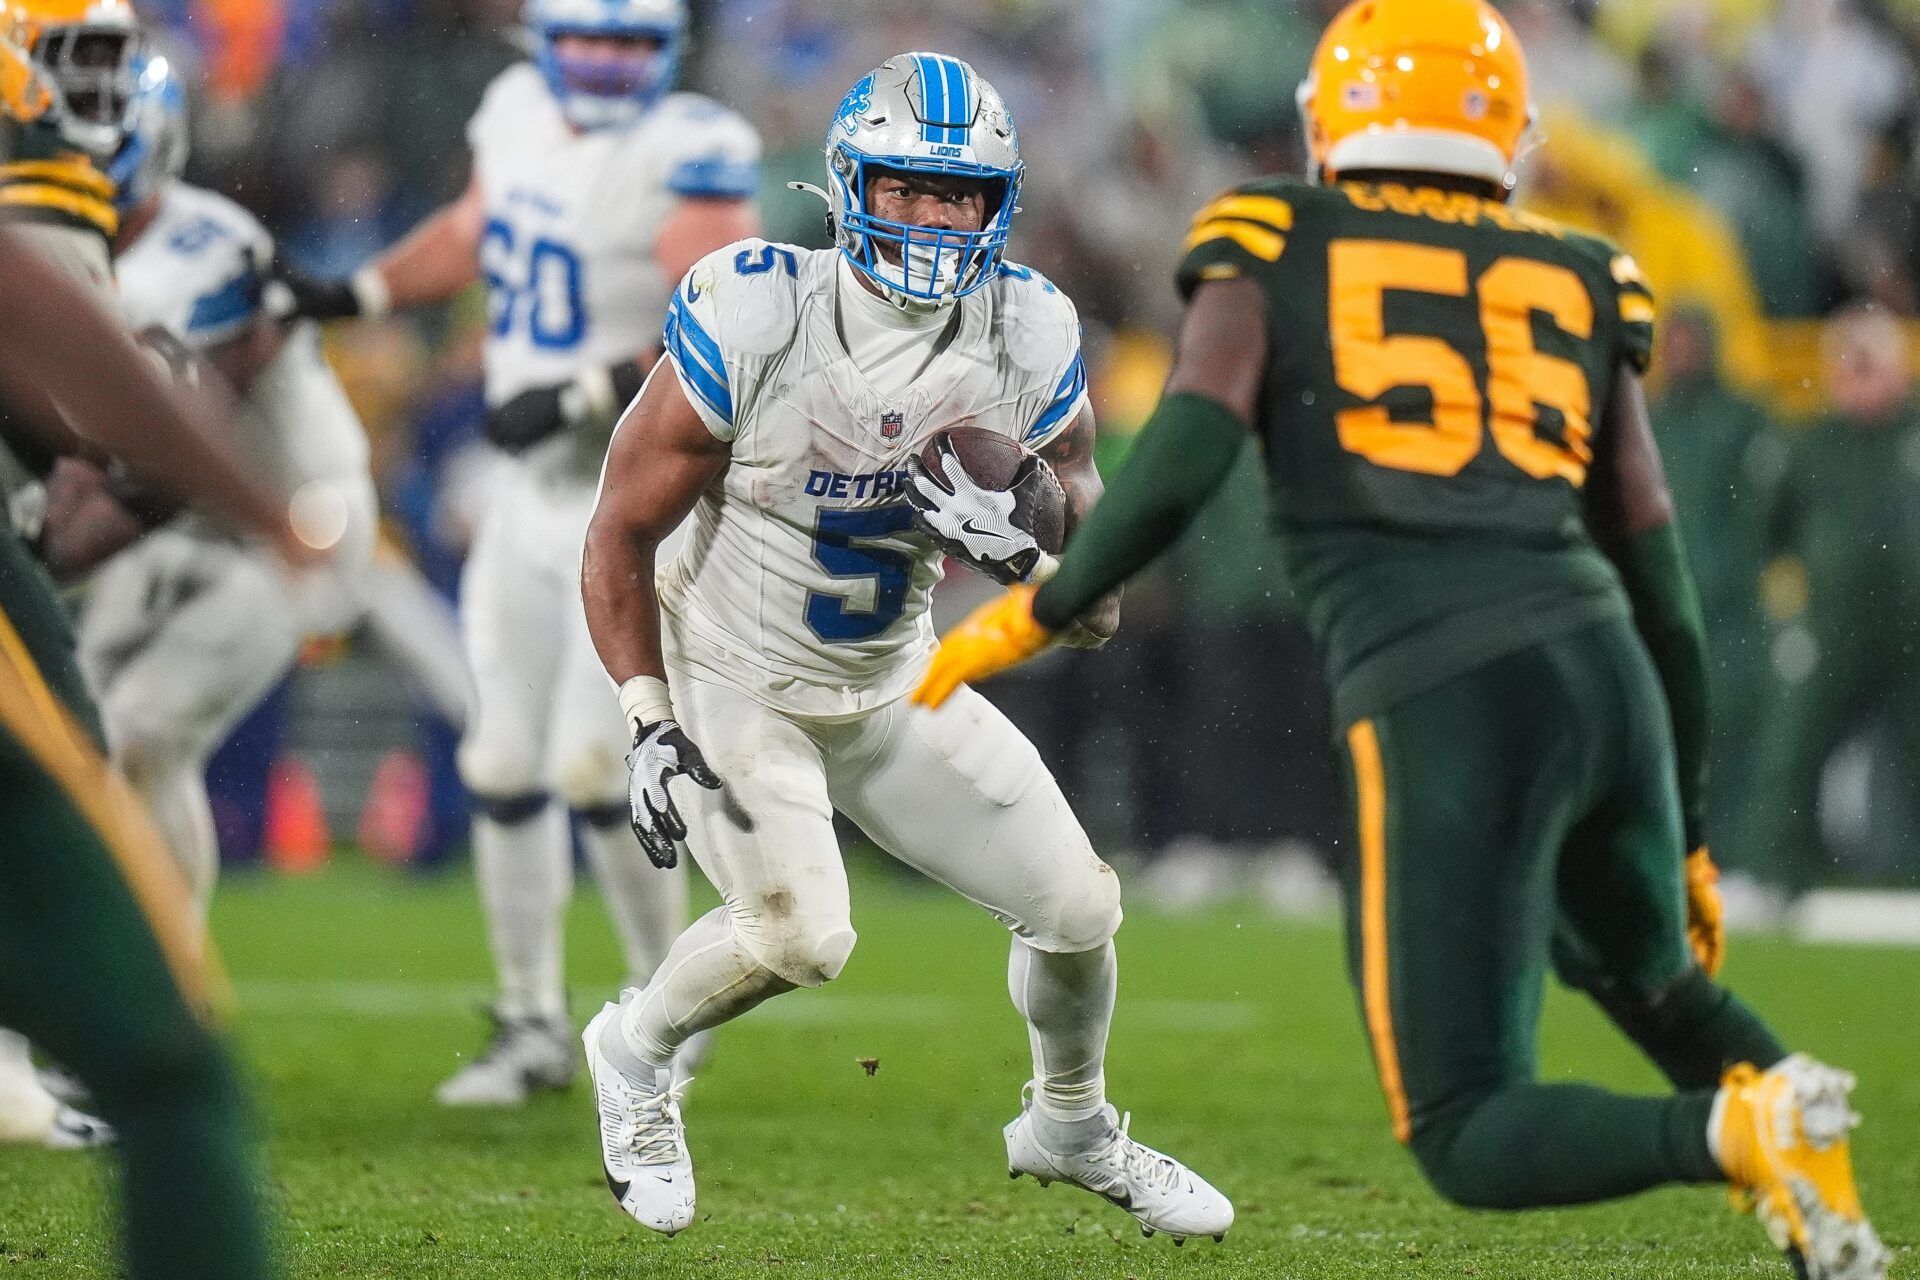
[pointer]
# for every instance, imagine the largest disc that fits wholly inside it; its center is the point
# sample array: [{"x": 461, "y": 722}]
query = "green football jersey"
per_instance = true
[{"x": 1438, "y": 364}]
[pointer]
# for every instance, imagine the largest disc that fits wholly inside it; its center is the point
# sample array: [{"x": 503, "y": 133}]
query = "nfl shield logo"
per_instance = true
[{"x": 891, "y": 425}]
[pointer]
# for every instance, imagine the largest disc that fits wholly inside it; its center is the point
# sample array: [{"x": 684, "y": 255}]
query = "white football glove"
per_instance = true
[
  {"x": 661, "y": 752},
  {"x": 975, "y": 524}
]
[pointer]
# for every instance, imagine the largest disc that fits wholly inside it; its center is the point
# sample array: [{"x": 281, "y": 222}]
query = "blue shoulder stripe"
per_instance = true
[
  {"x": 697, "y": 356},
  {"x": 1073, "y": 383},
  {"x": 227, "y": 305},
  {"x": 716, "y": 176}
]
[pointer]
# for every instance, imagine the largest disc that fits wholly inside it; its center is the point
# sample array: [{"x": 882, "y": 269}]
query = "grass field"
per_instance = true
[{"x": 1236, "y": 1047}]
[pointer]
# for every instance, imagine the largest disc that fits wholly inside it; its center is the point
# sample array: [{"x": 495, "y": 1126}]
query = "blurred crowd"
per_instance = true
[{"x": 1759, "y": 157}]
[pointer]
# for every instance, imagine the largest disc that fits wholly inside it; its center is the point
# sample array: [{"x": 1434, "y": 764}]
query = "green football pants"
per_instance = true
[
  {"x": 101, "y": 964},
  {"x": 1523, "y": 815}
]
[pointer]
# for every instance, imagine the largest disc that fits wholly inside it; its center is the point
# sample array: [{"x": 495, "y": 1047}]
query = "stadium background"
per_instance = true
[{"x": 1758, "y": 156}]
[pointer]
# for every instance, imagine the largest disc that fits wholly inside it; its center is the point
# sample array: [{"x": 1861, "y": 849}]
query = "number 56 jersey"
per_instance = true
[
  {"x": 1439, "y": 366},
  {"x": 802, "y": 581},
  {"x": 572, "y": 218}
]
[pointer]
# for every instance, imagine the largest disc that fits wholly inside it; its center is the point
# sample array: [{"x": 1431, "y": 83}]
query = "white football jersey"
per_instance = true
[
  {"x": 572, "y": 219},
  {"x": 802, "y": 580},
  {"x": 197, "y": 272}
]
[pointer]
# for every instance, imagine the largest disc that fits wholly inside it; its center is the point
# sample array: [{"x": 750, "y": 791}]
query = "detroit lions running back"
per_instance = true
[
  {"x": 784, "y": 635},
  {"x": 594, "y": 189}
]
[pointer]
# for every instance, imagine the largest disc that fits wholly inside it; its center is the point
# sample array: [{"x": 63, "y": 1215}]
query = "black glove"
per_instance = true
[
  {"x": 527, "y": 419},
  {"x": 661, "y": 752},
  {"x": 292, "y": 294}
]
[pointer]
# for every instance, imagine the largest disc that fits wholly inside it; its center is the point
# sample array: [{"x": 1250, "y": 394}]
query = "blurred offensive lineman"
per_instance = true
[
  {"x": 1472, "y": 507},
  {"x": 594, "y": 189},
  {"x": 783, "y": 637},
  {"x": 185, "y": 631}
]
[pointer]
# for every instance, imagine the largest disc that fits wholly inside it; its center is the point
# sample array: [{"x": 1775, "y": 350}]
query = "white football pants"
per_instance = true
[
  {"x": 959, "y": 794},
  {"x": 181, "y": 636},
  {"x": 547, "y": 725}
]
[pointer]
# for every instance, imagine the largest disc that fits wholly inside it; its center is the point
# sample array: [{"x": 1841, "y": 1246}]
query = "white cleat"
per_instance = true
[
  {"x": 524, "y": 1056},
  {"x": 74, "y": 1130},
  {"x": 643, "y": 1142},
  {"x": 1160, "y": 1192}
]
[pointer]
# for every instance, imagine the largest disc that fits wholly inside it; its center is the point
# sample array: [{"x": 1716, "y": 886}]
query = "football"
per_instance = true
[{"x": 1001, "y": 463}]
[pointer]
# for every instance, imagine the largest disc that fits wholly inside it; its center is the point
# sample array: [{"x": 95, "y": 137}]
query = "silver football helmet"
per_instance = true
[{"x": 922, "y": 113}]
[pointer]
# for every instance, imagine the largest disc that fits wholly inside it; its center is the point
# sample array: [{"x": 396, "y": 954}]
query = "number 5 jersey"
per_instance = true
[
  {"x": 1439, "y": 365},
  {"x": 802, "y": 582}
]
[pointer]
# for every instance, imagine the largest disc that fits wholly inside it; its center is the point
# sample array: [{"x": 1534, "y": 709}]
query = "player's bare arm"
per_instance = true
[
  {"x": 435, "y": 261},
  {"x": 1070, "y": 454},
  {"x": 698, "y": 226},
  {"x": 661, "y": 459}
]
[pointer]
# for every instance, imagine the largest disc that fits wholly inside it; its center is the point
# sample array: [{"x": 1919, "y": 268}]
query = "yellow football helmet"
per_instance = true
[
  {"x": 25, "y": 96},
  {"x": 86, "y": 50},
  {"x": 1435, "y": 86}
]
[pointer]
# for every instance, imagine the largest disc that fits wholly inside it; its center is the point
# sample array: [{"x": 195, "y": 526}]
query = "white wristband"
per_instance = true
[
  {"x": 1043, "y": 570},
  {"x": 590, "y": 396},
  {"x": 371, "y": 292},
  {"x": 644, "y": 699}
]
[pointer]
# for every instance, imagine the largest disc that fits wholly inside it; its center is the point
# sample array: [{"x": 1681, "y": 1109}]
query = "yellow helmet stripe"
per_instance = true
[
  {"x": 1636, "y": 308},
  {"x": 1260, "y": 241}
]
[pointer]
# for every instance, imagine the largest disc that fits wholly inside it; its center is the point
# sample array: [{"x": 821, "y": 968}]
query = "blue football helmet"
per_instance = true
[
  {"x": 593, "y": 94},
  {"x": 153, "y": 141},
  {"x": 922, "y": 113}
]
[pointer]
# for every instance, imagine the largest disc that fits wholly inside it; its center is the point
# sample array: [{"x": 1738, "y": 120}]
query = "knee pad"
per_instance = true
[
  {"x": 592, "y": 776},
  {"x": 806, "y": 951},
  {"x": 510, "y": 810},
  {"x": 1082, "y": 918},
  {"x": 492, "y": 767}
]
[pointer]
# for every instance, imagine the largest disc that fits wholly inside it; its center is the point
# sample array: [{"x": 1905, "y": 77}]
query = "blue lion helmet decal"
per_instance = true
[{"x": 858, "y": 99}]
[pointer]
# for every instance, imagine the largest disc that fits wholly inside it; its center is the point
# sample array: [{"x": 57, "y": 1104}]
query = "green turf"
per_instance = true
[{"x": 1235, "y": 1045}]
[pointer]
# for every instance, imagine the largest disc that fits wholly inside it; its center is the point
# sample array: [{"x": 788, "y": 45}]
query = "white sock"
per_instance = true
[
  {"x": 26, "y": 1108},
  {"x": 175, "y": 794},
  {"x": 708, "y": 978},
  {"x": 1067, "y": 1001},
  {"x": 1715, "y": 1119},
  {"x": 525, "y": 870},
  {"x": 648, "y": 905}
]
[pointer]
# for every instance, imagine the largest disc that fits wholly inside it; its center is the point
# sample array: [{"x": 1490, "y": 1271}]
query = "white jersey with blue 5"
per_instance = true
[
  {"x": 573, "y": 217},
  {"x": 802, "y": 581}
]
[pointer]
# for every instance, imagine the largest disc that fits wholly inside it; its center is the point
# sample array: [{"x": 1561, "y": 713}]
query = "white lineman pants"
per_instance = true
[
  {"x": 958, "y": 794},
  {"x": 546, "y": 720}
]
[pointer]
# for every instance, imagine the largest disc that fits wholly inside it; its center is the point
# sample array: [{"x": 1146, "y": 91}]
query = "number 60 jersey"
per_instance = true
[
  {"x": 802, "y": 582},
  {"x": 572, "y": 218},
  {"x": 1439, "y": 366}
]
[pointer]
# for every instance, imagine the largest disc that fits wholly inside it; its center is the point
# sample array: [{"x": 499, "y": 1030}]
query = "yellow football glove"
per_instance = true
[
  {"x": 1706, "y": 915},
  {"x": 995, "y": 636}
]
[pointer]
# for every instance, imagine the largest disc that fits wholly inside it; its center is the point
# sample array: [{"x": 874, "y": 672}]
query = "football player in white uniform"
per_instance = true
[
  {"x": 186, "y": 630},
  {"x": 784, "y": 635},
  {"x": 593, "y": 190}
]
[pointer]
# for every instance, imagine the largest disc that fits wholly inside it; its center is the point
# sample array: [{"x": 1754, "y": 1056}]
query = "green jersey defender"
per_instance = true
[{"x": 1473, "y": 513}]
